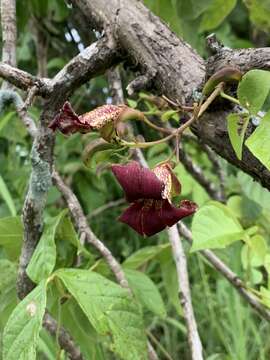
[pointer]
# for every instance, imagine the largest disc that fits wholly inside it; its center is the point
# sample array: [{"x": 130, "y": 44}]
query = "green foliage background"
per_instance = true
[{"x": 228, "y": 327}]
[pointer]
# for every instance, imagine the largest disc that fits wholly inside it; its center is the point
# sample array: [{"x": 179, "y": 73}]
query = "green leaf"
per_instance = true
[
  {"x": 259, "y": 13},
  {"x": 22, "y": 329},
  {"x": 259, "y": 141},
  {"x": 143, "y": 255},
  {"x": 5, "y": 194},
  {"x": 253, "y": 190},
  {"x": 216, "y": 13},
  {"x": 253, "y": 90},
  {"x": 237, "y": 125},
  {"x": 11, "y": 234},
  {"x": 167, "y": 115},
  {"x": 43, "y": 260},
  {"x": 110, "y": 309},
  {"x": 7, "y": 273},
  {"x": 191, "y": 9},
  {"x": 132, "y": 103},
  {"x": 5, "y": 119},
  {"x": 146, "y": 291},
  {"x": 254, "y": 252},
  {"x": 214, "y": 226}
]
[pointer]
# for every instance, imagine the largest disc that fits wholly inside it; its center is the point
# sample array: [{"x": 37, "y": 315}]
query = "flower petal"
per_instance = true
[
  {"x": 152, "y": 223},
  {"x": 172, "y": 186},
  {"x": 138, "y": 182},
  {"x": 132, "y": 216},
  {"x": 171, "y": 215},
  {"x": 68, "y": 122},
  {"x": 102, "y": 115}
]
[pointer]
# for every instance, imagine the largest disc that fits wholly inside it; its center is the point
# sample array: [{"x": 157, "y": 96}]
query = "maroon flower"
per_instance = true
[{"x": 149, "y": 193}]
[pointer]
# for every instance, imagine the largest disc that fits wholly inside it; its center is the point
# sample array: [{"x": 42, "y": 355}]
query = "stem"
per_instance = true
[
  {"x": 230, "y": 98},
  {"x": 158, "y": 128},
  {"x": 146, "y": 144}
]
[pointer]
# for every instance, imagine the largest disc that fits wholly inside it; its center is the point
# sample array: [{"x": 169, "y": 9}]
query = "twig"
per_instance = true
[
  {"x": 184, "y": 293},
  {"x": 222, "y": 268},
  {"x": 109, "y": 205},
  {"x": 65, "y": 340},
  {"x": 217, "y": 167}
]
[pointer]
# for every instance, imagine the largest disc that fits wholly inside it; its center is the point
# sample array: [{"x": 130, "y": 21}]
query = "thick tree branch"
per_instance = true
[
  {"x": 223, "y": 269},
  {"x": 9, "y": 34}
]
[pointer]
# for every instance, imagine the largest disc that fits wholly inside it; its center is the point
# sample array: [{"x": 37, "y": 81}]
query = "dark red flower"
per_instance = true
[{"x": 149, "y": 193}]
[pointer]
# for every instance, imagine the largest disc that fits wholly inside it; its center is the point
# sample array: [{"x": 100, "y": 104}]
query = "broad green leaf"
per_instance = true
[
  {"x": 110, "y": 309},
  {"x": 259, "y": 141},
  {"x": 244, "y": 208},
  {"x": 253, "y": 90},
  {"x": 8, "y": 295},
  {"x": 143, "y": 255},
  {"x": 259, "y": 13},
  {"x": 265, "y": 296},
  {"x": 214, "y": 226},
  {"x": 191, "y": 9},
  {"x": 22, "y": 329},
  {"x": 254, "y": 252},
  {"x": 11, "y": 234},
  {"x": 75, "y": 321},
  {"x": 237, "y": 125},
  {"x": 146, "y": 292},
  {"x": 216, "y": 13},
  {"x": 43, "y": 260},
  {"x": 5, "y": 119},
  {"x": 253, "y": 190},
  {"x": 5, "y": 194}
]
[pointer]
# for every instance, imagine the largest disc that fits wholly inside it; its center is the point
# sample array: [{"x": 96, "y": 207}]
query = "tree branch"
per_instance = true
[
  {"x": 9, "y": 34},
  {"x": 65, "y": 340},
  {"x": 236, "y": 282},
  {"x": 184, "y": 293}
]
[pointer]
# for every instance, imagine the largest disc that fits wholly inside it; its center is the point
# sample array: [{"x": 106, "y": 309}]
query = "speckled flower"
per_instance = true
[
  {"x": 150, "y": 194},
  {"x": 106, "y": 119},
  {"x": 103, "y": 119}
]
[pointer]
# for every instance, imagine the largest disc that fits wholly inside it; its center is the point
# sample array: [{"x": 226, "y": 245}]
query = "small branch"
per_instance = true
[
  {"x": 222, "y": 268},
  {"x": 109, "y": 205},
  {"x": 22, "y": 79},
  {"x": 65, "y": 340},
  {"x": 184, "y": 293},
  {"x": 115, "y": 86},
  {"x": 218, "y": 169}
]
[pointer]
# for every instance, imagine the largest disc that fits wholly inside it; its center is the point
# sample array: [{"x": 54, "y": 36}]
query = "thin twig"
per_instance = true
[
  {"x": 217, "y": 167},
  {"x": 105, "y": 207},
  {"x": 65, "y": 340},
  {"x": 184, "y": 293},
  {"x": 233, "y": 278}
]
